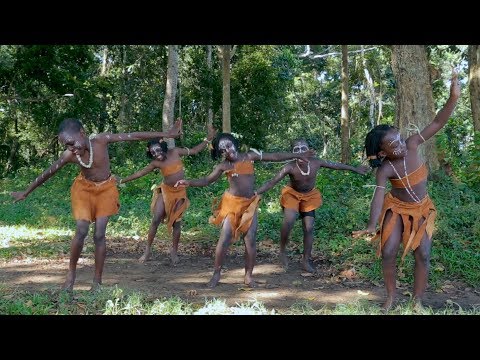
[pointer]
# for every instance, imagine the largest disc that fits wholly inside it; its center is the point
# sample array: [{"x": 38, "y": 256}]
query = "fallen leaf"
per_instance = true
[
  {"x": 296, "y": 283},
  {"x": 407, "y": 293},
  {"x": 245, "y": 289},
  {"x": 439, "y": 267},
  {"x": 348, "y": 274},
  {"x": 310, "y": 298},
  {"x": 192, "y": 292},
  {"x": 319, "y": 288},
  {"x": 363, "y": 293}
]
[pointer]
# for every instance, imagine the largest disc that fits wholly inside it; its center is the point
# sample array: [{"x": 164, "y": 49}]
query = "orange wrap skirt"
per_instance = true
[
  {"x": 301, "y": 202},
  {"x": 92, "y": 200},
  {"x": 410, "y": 213},
  {"x": 239, "y": 210},
  {"x": 171, "y": 196}
]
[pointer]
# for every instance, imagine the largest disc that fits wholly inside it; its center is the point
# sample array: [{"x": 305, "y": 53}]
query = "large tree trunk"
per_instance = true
[
  {"x": 474, "y": 84},
  {"x": 170, "y": 92},
  {"x": 225, "y": 56},
  {"x": 414, "y": 97},
  {"x": 344, "y": 110},
  {"x": 210, "y": 92}
]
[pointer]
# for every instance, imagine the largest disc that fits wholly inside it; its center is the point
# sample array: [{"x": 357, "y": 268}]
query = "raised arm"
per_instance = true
[
  {"x": 147, "y": 169},
  {"x": 174, "y": 132},
  {"x": 207, "y": 180},
  {"x": 442, "y": 116},
  {"x": 66, "y": 157},
  {"x": 272, "y": 182},
  {"x": 196, "y": 149},
  {"x": 340, "y": 166},
  {"x": 375, "y": 206}
]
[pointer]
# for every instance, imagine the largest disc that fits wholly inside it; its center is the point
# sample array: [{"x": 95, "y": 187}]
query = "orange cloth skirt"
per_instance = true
[
  {"x": 171, "y": 196},
  {"x": 301, "y": 202}
]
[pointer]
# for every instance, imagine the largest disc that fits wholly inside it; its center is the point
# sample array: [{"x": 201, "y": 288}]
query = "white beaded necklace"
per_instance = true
[
  {"x": 90, "y": 160},
  {"x": 407, "y": 187},
  {"x": 302, "y": 172}
]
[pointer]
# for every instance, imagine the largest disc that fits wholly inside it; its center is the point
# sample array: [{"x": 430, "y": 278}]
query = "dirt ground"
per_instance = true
[{"x": 277, "y": 288}]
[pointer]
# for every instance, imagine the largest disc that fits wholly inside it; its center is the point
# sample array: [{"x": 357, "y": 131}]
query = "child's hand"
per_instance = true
[
  {"x": 176, "y": 130},
  {"x": 455, "y": 85},
  {"x": 360, "y": 233},
  {"x": 18, "y": 196},
  {"x": 211, "y": 133},
  {"x": 306, "y": 155},
  {"x": 362, "y": 169},
  {"x": 182, "y": 182}
]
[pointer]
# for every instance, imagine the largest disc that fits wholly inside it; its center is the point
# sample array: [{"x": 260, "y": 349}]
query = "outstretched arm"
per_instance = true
[
  {"x": 271, "y": 183},
  {"x": 47, "y": 174},
  {"x": 147, "y": 169},
  {"x": 280, "y": 156},
  {"x": 195, "y": 150},
  {"x": 442, "y": 116},
  {"x": 174, "y": 132},
  {"x": 375, "y": 206},
  {"x": 340, "y": 166},
  {"x": 207, "y": 180}
]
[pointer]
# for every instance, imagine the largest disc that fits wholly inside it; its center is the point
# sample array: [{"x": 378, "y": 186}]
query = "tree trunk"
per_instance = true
[
  {"x": 474, "y": 84},
  {"x": 344, "y": 109},
  {"x": 123, "y": 95},
  {"x": 170, "y": 91},
  {"x": 103, "y": 70},
  {"x": 225, "y": 56},
  {"x": 371, "y": 90},
  {"x": 210, "y": 92},
  {"x": 414, "y": 97}
]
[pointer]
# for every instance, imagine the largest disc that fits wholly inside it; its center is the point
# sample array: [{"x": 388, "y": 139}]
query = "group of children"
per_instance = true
[{"x": 406, "y": 213}]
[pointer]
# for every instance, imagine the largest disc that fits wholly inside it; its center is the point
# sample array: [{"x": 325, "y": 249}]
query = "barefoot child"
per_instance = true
[
  {"x": 168, "y": 202},
  {"x": 406, "y": 213},
  {"x": 301, "y": 197},
  {"x": 94, "y": 193},
  {"x": 237, "y": 211}
]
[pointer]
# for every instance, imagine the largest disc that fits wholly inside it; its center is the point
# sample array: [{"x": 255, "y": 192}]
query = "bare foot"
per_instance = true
[
  {"x": 214, "y": 280},
  {"x": 284, "y": 259},
  {"x": 173, "y": 257},
  {"x": 68, "y": 285},
  {"x": 388, "y": 304},
  {"x": 418, "y": 306},
  {"x": 146, "y": 256},
  {"x": 308, "y": 266},
  {"x": 96, "y": 286},
  {"x": 250, "y": 282}
]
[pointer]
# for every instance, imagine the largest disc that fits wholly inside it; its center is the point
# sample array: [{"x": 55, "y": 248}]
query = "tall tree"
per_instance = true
[
  {"x": 371, "y": 89},
  {"x": 210, "y": 90},
  {"x": 226, "y": 54},
  {"x": 344, "y": 109},
  {"x": 474, "y": 84},
  {"x": 414, "y": 97},
  {"x": 170, "y": 91}
]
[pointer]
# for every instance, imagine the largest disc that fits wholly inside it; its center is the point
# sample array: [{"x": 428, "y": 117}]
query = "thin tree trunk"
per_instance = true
[
  {"x": 170, "y": 92},
  {"x": 474, "y": 84},
  {"x": 414, "y": 97},
  {"x": 123, "y": 96},
  {"x": 225, "y": 56},
  {"x": 103, "y": 70},
  {"x": 371, "y": 90},
  {"x": 344, "y": 109},
  {"x": 380, "y": 107},
  {"x": 210, "y": 91}
]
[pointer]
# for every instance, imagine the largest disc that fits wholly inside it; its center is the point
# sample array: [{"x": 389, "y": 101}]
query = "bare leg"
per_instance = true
[
  {"x": 100, "y": 250},
  {"x": 221, "y": 252},
  {"x": 250, "y": 252},
  {"x": 157, "y": 219},
  {"x": 289, "y": 217},
  {"x": 177, "y": 226},
  {"x": 389, "y": 259},
  {"x": 175, "y": 240},
  {"x": 76, "y": 247},
  {"x": 422, "y": 266},
  {"x": 308, "y": 222}
]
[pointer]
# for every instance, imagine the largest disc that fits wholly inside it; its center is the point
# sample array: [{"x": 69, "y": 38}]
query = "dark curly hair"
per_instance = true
[
  {"x": 373, "y": 141},
  {"x": 163, "y": 146},
  {"x": 215, "y": 152},
  {"x": 70, "y": 125}
]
